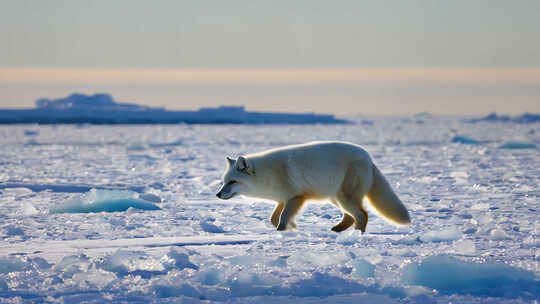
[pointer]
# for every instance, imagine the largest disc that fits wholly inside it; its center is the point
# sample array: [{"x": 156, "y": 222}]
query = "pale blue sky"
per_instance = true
[
  {"x": 273, "y": 36},
  {"x": 251, "y": 33}
]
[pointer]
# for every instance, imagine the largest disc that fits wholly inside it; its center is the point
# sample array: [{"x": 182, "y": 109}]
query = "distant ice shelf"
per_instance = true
[{"x": 103, "y": 109}]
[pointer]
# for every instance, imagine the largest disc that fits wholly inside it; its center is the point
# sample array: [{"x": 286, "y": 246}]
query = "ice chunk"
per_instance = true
[
  {"x": 445, "y": 235},
  {"x": 499, "y": 234},
  {"x": 12, "y": 230},
  {"x": 349, "y": 237},
  {"x": 249, "y": 260},
  {"x": 124, "y": 262},
  {"x": 465, "y": 140},
  {"x": 94, "y": 278},
  {"x": 480, "y": 206},
  {"x": 517, "y": 145},
  {"x": 136, "y": 147},
  {"x": 99, "y": 200},
  {"x": 323, "y": 259},
  {"x": 29, "y": 209},
  {"x": 452, "y": 276},
  {"x": 166, "y": 291},
  {"x": 363, "y": 268},
  {"x": 177, "y": 142},
  {"x": 72, "y": 264},
  {"x": 466, "y": 247},
  {"x": 208, "y": 226},
  {"x": 178, "y": 258},
  {"x": 460, "y": 176},
  {"x": 8, "y": 265},
  {"x": 31, "y": 132},
  {"x": 211, "y": 276},
  {"x": 150, "y": 197}
]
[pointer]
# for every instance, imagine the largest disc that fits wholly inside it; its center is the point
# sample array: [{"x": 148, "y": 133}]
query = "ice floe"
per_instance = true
[
  {"x": 515, "y": 145},
  {"x": 450, "y": 275},
  {"x": 104, "y": 201}
]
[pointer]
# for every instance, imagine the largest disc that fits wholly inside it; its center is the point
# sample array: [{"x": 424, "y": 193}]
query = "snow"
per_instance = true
[{"x": 473, "y": 236}]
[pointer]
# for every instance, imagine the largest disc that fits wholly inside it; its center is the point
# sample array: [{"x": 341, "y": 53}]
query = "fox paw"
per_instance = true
[{"x": 289, "y": 226}]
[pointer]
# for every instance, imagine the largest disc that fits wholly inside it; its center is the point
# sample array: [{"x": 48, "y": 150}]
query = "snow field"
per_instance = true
[{"x": 473, "y": 236}]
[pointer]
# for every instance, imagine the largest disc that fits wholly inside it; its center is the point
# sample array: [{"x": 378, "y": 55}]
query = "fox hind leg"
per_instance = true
[
  {"x": 356, "y": 184},
  {"x": 345, "y": 223},
  {"x": 354, "y": 209}
]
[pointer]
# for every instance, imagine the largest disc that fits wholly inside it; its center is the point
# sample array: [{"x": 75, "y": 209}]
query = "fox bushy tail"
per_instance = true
[{"x": 385, "y": 201}]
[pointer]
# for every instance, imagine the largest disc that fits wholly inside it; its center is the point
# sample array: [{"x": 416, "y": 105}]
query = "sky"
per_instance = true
[{"x": 343, "y": 57}]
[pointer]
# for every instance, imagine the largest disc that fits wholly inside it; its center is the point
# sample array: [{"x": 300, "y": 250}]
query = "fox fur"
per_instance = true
[{"x": 340, "y": 172}]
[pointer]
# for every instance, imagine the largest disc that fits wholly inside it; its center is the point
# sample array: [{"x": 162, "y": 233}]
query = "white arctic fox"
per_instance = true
[{"x": 338, "y": 171}]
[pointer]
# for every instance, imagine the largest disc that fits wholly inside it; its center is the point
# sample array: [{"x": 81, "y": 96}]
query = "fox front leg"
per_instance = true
[
  {"x": 291, "y": 208},
  {"x": 274, "y": 219}
]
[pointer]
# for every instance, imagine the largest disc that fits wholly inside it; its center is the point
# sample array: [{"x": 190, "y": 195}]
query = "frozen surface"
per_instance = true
[{"x": 473, "y": 237}]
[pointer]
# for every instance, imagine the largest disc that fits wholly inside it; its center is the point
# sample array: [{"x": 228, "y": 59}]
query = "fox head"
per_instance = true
[{"x": 238, "y": 178}]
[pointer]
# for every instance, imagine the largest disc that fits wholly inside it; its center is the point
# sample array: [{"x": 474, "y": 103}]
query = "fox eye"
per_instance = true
[{"x": 232, "y": 182}]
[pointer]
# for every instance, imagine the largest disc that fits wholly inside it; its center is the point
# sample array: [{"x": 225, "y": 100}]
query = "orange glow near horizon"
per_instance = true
[
  {"x": 342, "y": 91},
  {"x": 314, "y": 76}
]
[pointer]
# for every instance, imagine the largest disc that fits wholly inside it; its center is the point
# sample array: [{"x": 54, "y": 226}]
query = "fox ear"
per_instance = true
[
  {"x": 230, "y": 161},
  {"x": 242, "y": 165}
]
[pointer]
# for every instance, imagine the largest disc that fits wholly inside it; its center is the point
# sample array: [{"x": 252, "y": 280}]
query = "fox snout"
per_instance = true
[{"x": 224, "y": 194}]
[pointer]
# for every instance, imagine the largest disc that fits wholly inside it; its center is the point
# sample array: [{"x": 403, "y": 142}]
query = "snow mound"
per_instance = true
[
  {"x": 464, "y": 140},
  {"x": 98, "y": 200},
  {"x": 452, "y": 276},
  {"x": 514, "y": 145}
]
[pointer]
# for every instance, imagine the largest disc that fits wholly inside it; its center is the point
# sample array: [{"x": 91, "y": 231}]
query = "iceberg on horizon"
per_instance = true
[
  {"x": 493, "y": 117},
  {"x": 103, "y": 109}
]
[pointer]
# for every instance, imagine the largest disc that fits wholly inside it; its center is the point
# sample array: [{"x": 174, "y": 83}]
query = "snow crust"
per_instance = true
[{"x": 473, "y": 236}]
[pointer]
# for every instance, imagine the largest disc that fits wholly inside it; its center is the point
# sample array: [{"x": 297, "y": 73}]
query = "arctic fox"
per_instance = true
[{"x": 337, "y": 171}]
